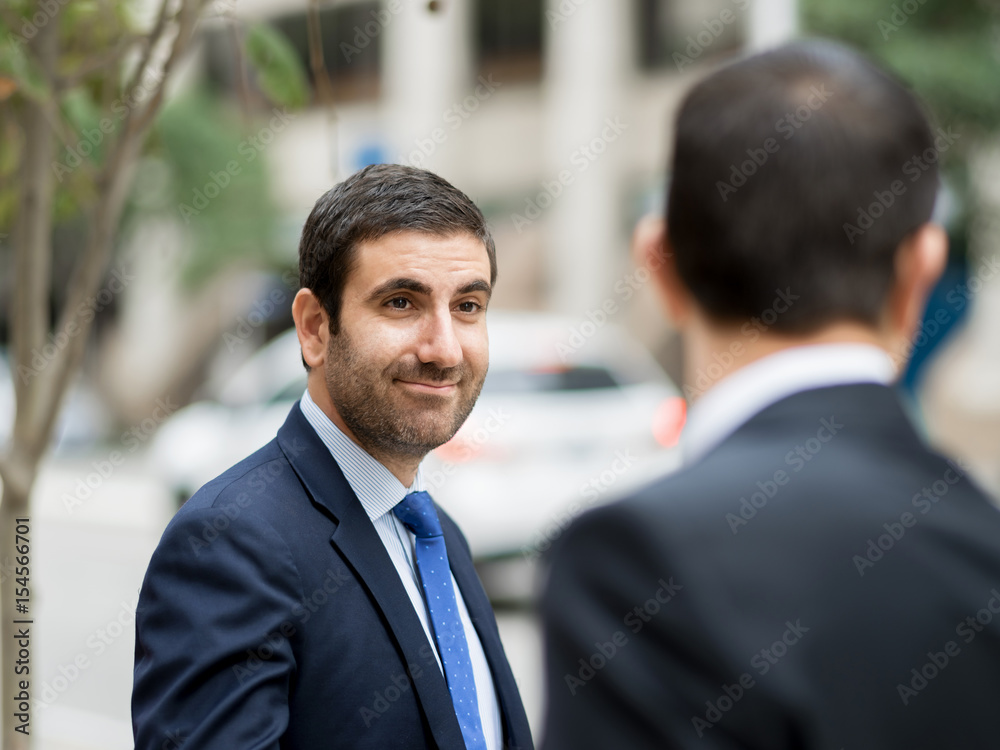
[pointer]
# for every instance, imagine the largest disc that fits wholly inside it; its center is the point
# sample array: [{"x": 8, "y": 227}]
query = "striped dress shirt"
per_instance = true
[{"x": 379, "y": 491}]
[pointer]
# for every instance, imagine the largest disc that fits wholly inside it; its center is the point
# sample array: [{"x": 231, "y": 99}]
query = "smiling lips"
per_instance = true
[{"x": 440, "y": 388}]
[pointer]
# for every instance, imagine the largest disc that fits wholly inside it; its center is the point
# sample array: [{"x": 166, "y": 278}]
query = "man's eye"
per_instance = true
[
  {"x": 399, "y": 303},
  {"x": 469, "y": 307}
]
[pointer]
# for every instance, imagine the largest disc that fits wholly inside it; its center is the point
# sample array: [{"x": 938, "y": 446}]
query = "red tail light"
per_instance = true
[
  {"x": 668, "y": 421},
  {"x": 458, "y": 449}
]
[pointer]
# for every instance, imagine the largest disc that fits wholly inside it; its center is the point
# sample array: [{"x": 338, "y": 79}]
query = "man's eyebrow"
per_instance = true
[
  {"x": 477, "y": 286},
  {"x": 392, "y": 285},
  {"x": 418, "y": 287}
]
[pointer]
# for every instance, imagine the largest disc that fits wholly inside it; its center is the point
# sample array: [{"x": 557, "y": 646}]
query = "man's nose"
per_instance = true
[{"x": 438, "y": 340}]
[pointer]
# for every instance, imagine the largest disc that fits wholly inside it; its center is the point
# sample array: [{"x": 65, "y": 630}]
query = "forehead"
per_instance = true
[{"x": 422, "y": 255}]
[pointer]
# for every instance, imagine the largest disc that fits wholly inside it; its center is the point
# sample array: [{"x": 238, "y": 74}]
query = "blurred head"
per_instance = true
[
  {"x": 397, "y": 268},
  {"x": 797, "y": 175}
]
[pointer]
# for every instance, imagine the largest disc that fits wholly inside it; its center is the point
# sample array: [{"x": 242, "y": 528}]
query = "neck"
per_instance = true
[
  {"x": 403, "y": 467},
  {"x": 712, "y": 352}
]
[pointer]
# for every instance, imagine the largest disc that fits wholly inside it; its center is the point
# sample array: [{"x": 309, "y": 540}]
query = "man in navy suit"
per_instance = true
[
  {"x": 284, "y": 606},
  {"x": 815, "y": 576}
]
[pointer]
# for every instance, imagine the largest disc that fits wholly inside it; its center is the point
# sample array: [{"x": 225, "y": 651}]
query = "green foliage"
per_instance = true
[
  {"x": 196, "y": 144},
  {"x": 958, "y": 76},
  {"x": 11, "y": 146},
  {"x": 88, "y": 31},
  {"x": 217, "y": 185},
  {"x": 948, "y": 50},
  {"x": 84, "y": 116},
  {"x": 20, "y": 69},
  {"x": 279, "y": 73}
]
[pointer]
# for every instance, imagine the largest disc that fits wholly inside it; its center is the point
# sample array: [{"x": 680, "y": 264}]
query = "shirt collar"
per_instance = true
[
  {"x": 376, "y": 487},
  {"x": 747, "y": 391}
]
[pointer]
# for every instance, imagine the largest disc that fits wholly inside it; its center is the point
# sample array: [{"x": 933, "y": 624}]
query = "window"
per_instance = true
[
  {"x": 681, "y": 33},
  {"x": 508, "y": 38},
  {"x": 582, "y": 378},
  {"x": 351, "y": 36}
]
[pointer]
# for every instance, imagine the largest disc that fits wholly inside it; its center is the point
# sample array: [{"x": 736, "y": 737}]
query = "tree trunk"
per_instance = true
[
  {"x": 40, "y": 383},
  {"x": 13, "y": 508},
  {"x": 32, "y": 244}
]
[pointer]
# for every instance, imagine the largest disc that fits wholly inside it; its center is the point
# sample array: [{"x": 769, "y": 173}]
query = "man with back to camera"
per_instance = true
[
  {"x": 815, "y": 576},
  {"x": 313, "y": 595}
]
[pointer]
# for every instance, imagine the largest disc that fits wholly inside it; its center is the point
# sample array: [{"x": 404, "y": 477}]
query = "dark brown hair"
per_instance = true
[{"x": 802, "y": 168}]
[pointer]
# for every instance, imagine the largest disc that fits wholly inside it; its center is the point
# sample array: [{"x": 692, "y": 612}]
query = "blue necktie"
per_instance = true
[{"x": 417, "y": 513}]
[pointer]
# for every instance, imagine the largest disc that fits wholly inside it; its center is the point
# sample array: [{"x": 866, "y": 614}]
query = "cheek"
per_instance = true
[
  {"x": 379, "y": 341},
  {"x": 476, "y": 350}
]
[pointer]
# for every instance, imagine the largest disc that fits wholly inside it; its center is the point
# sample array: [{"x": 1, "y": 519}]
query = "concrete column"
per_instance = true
[
  {"x": 771, "y": 22},
  {"x": 426, "y": 68},
  {"x": 587, "y": 59}
]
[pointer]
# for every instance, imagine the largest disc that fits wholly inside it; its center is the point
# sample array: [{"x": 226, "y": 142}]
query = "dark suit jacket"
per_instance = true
[
  {"x": 272, "y": 617},
  {"x": 819, "y": 580}
]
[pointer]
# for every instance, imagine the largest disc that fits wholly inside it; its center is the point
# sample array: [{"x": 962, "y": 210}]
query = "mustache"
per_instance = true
[{"x": 430, "y": 372}]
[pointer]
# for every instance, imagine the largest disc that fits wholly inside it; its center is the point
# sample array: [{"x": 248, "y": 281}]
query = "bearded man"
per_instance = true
[{"x": 335, "y": 604}]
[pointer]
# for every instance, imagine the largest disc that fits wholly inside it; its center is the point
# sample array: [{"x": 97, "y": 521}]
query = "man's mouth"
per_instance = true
[{"x": 435, "y": 387}]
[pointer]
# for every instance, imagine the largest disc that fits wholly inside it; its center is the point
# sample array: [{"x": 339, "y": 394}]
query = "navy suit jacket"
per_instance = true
[
  {"x": 272, "y": 617},
  {"x": 821, "y": 580}
]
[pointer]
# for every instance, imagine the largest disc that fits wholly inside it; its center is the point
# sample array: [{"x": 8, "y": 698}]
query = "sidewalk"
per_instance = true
[{"x": 87, "y": 563}]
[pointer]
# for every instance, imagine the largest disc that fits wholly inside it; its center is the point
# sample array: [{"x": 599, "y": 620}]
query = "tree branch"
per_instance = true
[
  {"x": 152, "y": 42},
  {"x": 97, "y": 64},
  {"x": 316, "y": 61},
  {"x": 112, "y": 189},
  {"x": 321, "y": 76},
  {"x": 243, "y": 86},
  {"x": 60, "y": 128},
  {"x": 187, "y": 17},
  {"x": 32, "y": 243}
]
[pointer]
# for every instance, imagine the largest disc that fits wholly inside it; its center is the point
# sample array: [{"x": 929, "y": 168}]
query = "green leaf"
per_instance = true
[
  {"x": 946, "y": 49},
  {"x": 15, "y": 64},
  {"x": 84, "y": 116},
  {"x": 223, "y": 184},
  {"x": 280, "y": 75}
]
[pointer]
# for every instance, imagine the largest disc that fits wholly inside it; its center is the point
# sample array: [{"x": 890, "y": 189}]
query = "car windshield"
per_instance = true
[{"x": 548, "y": 380}]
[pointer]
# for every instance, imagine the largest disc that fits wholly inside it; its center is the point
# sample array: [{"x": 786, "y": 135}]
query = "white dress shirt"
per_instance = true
[
  {"x": 749, "y": 390},
  {"x": 379, "y": 491}
]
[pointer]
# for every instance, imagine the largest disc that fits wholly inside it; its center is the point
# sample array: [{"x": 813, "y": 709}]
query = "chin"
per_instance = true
[{"x": 434, "y": 434}]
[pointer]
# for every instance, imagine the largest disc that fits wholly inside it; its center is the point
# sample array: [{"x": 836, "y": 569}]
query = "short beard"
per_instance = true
[{"x": 361, "y": 393}]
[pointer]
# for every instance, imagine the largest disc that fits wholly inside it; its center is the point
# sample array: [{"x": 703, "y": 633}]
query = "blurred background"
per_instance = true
[{"x": 553, "y": 115}]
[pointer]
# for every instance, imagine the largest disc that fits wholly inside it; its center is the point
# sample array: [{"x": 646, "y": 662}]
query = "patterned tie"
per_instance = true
[{"x": 417, "y": 513}]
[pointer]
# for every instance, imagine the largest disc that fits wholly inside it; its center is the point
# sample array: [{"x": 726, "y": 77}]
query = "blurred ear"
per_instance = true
[
  {"x": 651, "y": 248},
  {"x": 313, "y": 327},
  {"x": 920, "y": 260}
]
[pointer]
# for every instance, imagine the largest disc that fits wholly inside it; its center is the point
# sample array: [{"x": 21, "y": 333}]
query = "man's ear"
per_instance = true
[
  {"x": 313, "y": 327},
  {"x": 920, "y": 260},
  {"x": 651, "y": 248}
]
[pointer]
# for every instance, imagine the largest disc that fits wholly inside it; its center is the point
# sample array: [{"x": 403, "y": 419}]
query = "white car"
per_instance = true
[
  {"x": 556, "y": 430},
  {"x": 565, "y": 422},
  {"x": 242, "y": 413},
  {"x": 82, "y": 421}
]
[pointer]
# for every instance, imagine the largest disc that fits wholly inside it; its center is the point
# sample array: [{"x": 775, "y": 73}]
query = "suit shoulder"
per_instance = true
[
  {"x": 256, "y": 489},
  {"x": 265, "y": 466},
  {"x": 684, "y": 510},
  {"x": 694, "y": 492}
]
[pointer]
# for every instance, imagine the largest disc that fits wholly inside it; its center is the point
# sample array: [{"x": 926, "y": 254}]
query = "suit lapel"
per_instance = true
[{"x": 358, "y": 542}]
